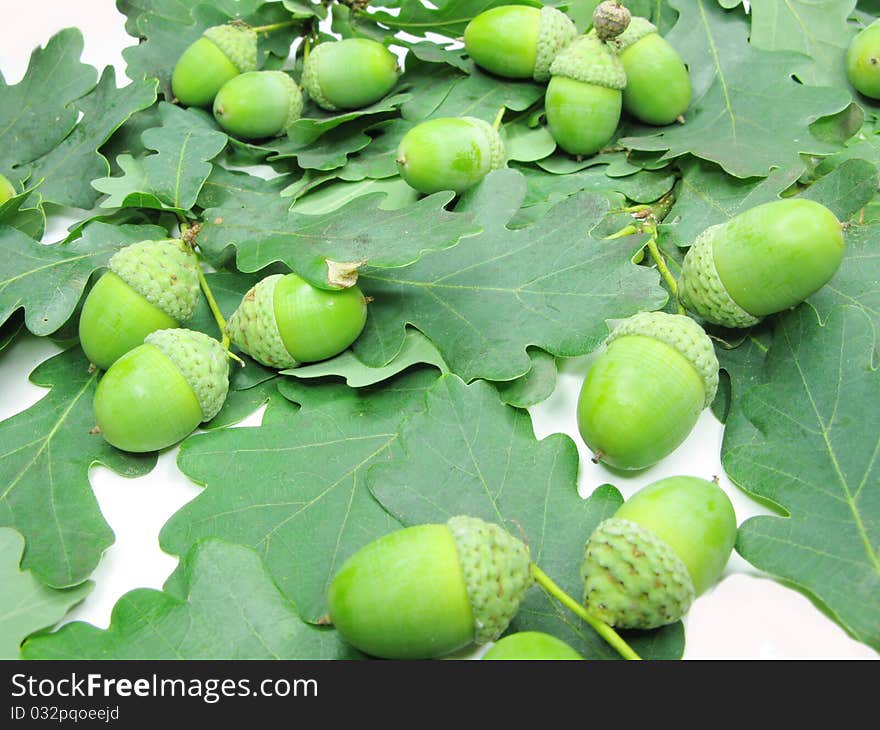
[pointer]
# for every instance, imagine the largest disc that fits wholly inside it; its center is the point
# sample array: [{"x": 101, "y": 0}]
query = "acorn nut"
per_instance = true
[
  {"x": 284, "y": 321},
  {"x": 349, "y": 74},
  {"x": 583, "y": 99},
  {"x": 666, "y": 545},
  {"x": 764, "y": 260},
  {"x": 258, "y": 104},
  {"x": 426, "y": 591},
  {"x": 531, "y": 645},
  {"x": 157, "y": 394},
  {"x": 863, "y": 61},
  {"x": 222, "y": 53},
  {"x": 7, "y": 189},
  {"x": 644, "y": 393},
  {"x": 518, "y": 41},
  {"x": 150, "y": 285}
]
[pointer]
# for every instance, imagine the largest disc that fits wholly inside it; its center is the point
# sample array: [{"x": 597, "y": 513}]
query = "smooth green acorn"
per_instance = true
[
  {"x": 150, "y": 285},
  {"x": 518, "y": 41},
  {"x": 449, "y": 153},
  {"x": 7, "y": 189},
  {"x": 644, "y": 393},
  {"x": 258, "y": 104},
  {"x": 349, "y": 74},
  {"x": 531, "y": 645},
  {"x": 763, "y": 260},
  {"x": 583, "y": 99},
  {"x": 284, "y": 321},
  {"x": 426, "y": 591},
  {"x": 666, "y": 545},
  {"x": 222, "y": 53},
  {"x": 863, "y": 61},
  {"x": 158, "y": 393}
]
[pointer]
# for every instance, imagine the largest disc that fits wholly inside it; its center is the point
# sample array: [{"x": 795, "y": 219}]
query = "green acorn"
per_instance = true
[
  {"x": 449, "y": 153},
  {"x": 349, "y": 74},
  {"x": 149, "y": 286},
  {"x": 610, "y": 19},
  {"x": 583, "y": 99},
  {"x": 666, "y": 545},
  {"x": 157, "y": 394},
  {"x": 644, "y": 393},
  {"x": 764, "y": 260},
  {"x": 222, "y": 53},
  {"x": 258, "y": 104},
  {"x": 531, "y": 646},
  {"x": 7, "y": 190},
  {"x": 284, "y": 321},
  {"x": 518, "y": 41},
  {"x": 426, "y": 591},
  {"x": 863, "y": 61}
]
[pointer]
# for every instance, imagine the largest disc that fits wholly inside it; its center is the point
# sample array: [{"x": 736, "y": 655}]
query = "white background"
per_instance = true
[{"x": 746, "y": 616}]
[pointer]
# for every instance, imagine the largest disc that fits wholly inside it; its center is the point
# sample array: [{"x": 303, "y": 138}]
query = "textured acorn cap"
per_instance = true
[
  {"x": 610, "y": 19},
  {"x": 701, "y": 289},
  {"x": 587, "y": 59},
  {"x": 555, "y": 32},
  {"x": 496, "y": 144},
  {"x": 163, "y": 272},
  {"x": 637, "y": 29},
  {"x": 238, "y": 43},
  {"x": 682, "y": 334},
  {"x": 294, "y": 96},
  {"x": 632, "y": 578},
  {"x": 253, "y": 328},
  {"x": 496, "y": 573},
  {"x": 310, "y": 78},
  {"x": 202, "y": 361}
]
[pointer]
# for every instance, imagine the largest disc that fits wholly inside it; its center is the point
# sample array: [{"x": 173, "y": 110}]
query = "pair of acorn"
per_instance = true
[
  {"x": 220, "y": 69},
  {"x": 162, "y": 381},
  {"x": 429, "y": 590}
]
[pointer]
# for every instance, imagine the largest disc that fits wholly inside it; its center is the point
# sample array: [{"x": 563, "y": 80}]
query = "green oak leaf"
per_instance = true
[
  {"x": 47, "y": 451},
  {"x": 225, "y": 187},
  {"x": 9, "y": 330},
  {"x": 69, "y": 168},
  {"x": 468, "y": 454},
  {"x": 482, "y": 303},
  {"x": 29, "y": 220},
  {"x": 128, "y": 190},
  {"x": 330, "y": 150},
  {"x": 396, "y": 194},
  {"x": 524, "y": 143},
  {"x": 533, "y": 387},
  {"x": 293, "y": 489},
  {"x": 223, "y": 605},
  {"x": 26, "y": 605},
  {"x": 37, "y": 113},
  {"x": 811, "y": 453},
  {"x": 747, "y": 113},
  {"x": 380, "y": 158},
  {"x": 48, "y": 281}
]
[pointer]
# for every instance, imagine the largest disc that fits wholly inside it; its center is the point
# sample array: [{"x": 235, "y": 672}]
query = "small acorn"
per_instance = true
[
  {"x": 644, "y": 393},
  {"x": 149, "y": 286},
  {"x": 258, "y": 104},
  {"x": 763, "y": 260},
  {"x": 583, "y": 99},
  {"x": 349, "y": 74},
  {"x": 7, "y": 189},
  {"x": 666, "y": 545},
  {"x": 284, "y": 321},
  {"x": 157, "y": 394},
  {"x": 658, "y": 88},
  {"x": 450, "y": 153},
  {"x": 222, "y": 53},
  {"x": 518, "y": 41},
  {"x": 531, "y": 645},
  {"x": 863, "y": 61},
  {"x": 610, "y": 19},
  {"x": 426, "y": 591}
]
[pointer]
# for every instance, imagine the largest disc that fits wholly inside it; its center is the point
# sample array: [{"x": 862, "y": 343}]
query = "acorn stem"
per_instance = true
[
  {"x": 663, "y": 268},
  {"x": 273, "y": 26},
  {"x": 600, "y": 627},
  {"x": 623, "y": 232},
  {"x": 215, "y": 309},
  {"x": 498, "y": 117}
]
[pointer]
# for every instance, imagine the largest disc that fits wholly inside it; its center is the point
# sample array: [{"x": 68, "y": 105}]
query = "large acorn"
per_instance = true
[
  {"x": 531, "y": 646},
  {"x": 666, "y": 545},
  {"x": 258, "y": 104},
  {"x": 150, "y": 285},
  {"x": 426, "y": 591},
  {"x": 349, "y": 74}
]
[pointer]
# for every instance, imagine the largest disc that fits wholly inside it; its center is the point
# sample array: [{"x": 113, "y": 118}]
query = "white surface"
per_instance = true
[{"x": 745, "y": 616}]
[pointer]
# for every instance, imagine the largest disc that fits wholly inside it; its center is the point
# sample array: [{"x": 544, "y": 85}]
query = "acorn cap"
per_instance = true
[
  {"x": 310, "y": 80},
  {"x": 701, "y": 289},
  {"x": 632, "y": 578},
  {"x": 253, "y": 328},
  {"x": 555, "y": 32},
  {"x": 202, "y": 361},
  {"x": 682, "y": 334},
  {"x": 496, "y": 573},
  {"x": 295, "y": 99},
  {"x": 637, "y": 29},
  {"x": 163, "y": 272},
  {"x": 238, "y": 43},
  {"x": 587, "y": 59},
  {"x": 496, "y": 144},
  {"x": 610, "y": 19}
]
